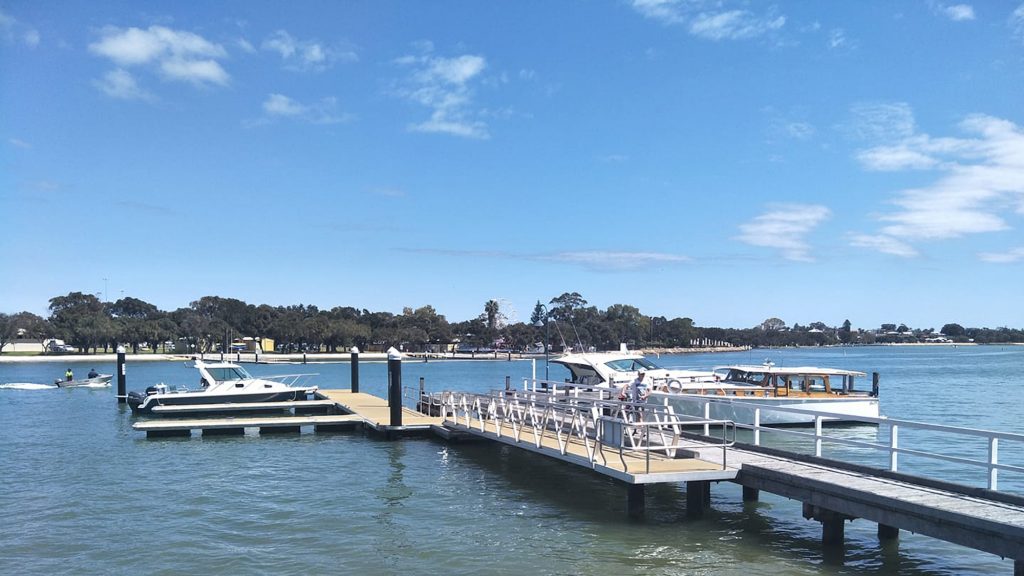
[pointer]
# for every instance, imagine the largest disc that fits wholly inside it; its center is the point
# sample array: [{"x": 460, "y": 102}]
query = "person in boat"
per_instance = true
[
  {"x": 69, "y": 375},
  {"x": 92, "y": 373}
]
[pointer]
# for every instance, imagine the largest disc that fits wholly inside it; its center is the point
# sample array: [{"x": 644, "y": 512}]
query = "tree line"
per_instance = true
[{"x": 211, "y": 323}]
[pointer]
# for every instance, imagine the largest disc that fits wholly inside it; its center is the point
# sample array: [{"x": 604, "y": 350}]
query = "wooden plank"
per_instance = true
[
  {"x": 376, "y": 412},
  {"x": 242, "y": 406}
]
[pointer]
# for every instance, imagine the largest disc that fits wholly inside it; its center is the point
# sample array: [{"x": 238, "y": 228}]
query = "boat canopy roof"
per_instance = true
[
  {"x": 618, "y": 362},
  {"x": 789, "y": 370},
  {"x": 223, "y": 371}
]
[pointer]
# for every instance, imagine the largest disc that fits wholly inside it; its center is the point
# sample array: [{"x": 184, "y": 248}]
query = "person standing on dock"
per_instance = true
[
  {"x": 636, "y": 391},
  {"x": 69, "y": 375}
]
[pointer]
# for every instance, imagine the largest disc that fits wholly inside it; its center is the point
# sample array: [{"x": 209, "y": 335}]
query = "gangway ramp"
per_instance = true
[{"x": 604, "y": 437}]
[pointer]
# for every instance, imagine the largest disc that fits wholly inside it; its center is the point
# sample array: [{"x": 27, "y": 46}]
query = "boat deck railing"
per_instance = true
[
  {"x": 632, "y": 432},
  {"x": 291, "y": 380}
]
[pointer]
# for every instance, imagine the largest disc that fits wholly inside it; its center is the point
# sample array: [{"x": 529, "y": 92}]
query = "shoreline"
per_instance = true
[{"x": 420, "y": 356}]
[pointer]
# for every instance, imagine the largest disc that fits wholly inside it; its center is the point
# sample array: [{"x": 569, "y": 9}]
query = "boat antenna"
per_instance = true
[
  {"x": 559, "y": 330},
  {"x": 575, "y": 331}
]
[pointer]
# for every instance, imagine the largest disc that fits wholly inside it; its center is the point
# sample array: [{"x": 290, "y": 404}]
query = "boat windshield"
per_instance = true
[
  {"x": 228, "y": 373},
  {"x": 745, "y": 377},
  {"x": 631, "y": 365}
]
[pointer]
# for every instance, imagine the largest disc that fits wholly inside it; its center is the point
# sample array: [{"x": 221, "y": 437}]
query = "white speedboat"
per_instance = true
[
  {"x": 734, "y": 392},
  {"x": 222, "y": 383},
  {"x": 94, "y": 382}
]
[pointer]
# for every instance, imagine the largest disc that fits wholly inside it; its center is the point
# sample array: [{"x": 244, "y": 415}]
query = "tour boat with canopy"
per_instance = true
[{"x": 733, "y": 392}]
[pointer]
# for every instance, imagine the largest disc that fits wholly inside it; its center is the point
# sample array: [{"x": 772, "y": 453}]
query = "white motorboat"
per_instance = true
[
  {"x": 734, "y": 392},
  {"x": 93, "y": 382},
  {"x": 223, "y": 383}
]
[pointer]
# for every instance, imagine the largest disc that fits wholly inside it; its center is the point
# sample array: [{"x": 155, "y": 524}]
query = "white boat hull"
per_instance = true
[{"x": 742, "y": 409}]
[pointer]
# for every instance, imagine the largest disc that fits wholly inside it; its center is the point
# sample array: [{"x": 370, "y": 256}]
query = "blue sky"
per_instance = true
[{"x": 726, "y": 161}]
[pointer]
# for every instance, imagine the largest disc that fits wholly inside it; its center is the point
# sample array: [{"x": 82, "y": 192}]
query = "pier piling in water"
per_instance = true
[
  {"x": 122, "y": 394},
  {"x": 395, "y": 386},
  {"x": 355, "y": 369},
  {"x": 635, "y": 500},
  {"x": 698, "y": 497}
]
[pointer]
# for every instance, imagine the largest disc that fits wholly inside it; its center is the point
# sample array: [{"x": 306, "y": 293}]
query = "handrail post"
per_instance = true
[
  {"x": 817, "y": 436},
  {"x": 707, "y": 416},
  {"x": 757, "y": 427},
  {"x": 993, "y": 460},
  {"x": 894, "y": 445}
]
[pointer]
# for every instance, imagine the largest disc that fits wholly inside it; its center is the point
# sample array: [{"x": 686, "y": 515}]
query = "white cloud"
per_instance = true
[
  {"x": 884, "y": 244},
  {"x": 978, "y": 178},
  {"x": 614, "y": 261},
  {"x": 322, "y": 112},
  {"x": 733, "y": 25},
  {"x": 876, "y": 122},
  {"x": 307, "y": 55},
  {"x": 1009, "y": 257},
  {"x": 785, "y": 228},
  {"x": 444, "y": 85},
  {"x": 667, "y": 11},
  {"x": 1017, "y": 22},
  {"x": 13, "y": 31},
  {"x": 709, "y": 19},
  {"x": 19, "y": 143},
  {"x": 176, "y": 55},
  {"x": 837, "y": 39},
  {"x": 245, "y": 46},
  {"x": 958, "y": 12},
  {"x": 119, "y": 83}
]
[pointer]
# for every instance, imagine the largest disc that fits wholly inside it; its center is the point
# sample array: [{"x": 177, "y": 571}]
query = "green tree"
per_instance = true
[
  {"x": 953, "y": 330},
  {"x": 81, "y": 320},
  {"x": 132, "y": 318},
  {"x": 844, "y": 332}
]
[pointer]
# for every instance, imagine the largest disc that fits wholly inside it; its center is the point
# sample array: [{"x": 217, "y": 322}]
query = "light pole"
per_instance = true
[{"x": 538, "y": 324}]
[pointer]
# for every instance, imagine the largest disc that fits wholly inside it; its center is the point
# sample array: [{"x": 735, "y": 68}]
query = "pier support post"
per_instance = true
[
  {"x": 751, "y": 494},
  {"x": 635, "y": 500},
  {"x": 395, "y": 386},
  {"x": 874, "y": 384},
  {"x": 833, "y": 524},
  {"x": 1018, "y": 567},
  {"x": 355, "y": 369},
  {"x": 122, "y": 394},
  {"x": 887, "y": 533},
  {"x": 698, "y": 494}
]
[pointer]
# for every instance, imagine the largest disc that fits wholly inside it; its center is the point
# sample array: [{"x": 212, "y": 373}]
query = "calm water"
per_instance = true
[{"x": 83, "y": 493}]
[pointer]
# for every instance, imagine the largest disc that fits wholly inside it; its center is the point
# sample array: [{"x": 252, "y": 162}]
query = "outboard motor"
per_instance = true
[{"x": 156, "y": 389}]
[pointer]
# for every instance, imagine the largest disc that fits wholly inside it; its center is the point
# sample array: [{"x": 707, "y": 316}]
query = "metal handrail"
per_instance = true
[
  {"x": 549, "y": 416},
  {"x": 992, "y": 437}
]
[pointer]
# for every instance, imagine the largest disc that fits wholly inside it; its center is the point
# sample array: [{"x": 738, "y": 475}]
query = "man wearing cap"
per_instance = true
[{"x": 638, "y": 389}]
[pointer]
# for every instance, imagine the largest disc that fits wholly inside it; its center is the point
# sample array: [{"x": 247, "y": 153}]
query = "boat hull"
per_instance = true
[
  {"x": 144, "y": 404},
  {"x": 103, "y": 380},
  {"x": 742, "y": 409}
]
